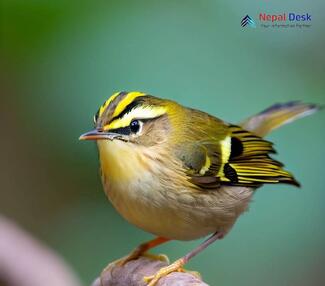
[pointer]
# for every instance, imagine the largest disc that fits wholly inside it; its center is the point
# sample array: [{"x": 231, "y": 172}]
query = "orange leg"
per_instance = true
[
  {"x": 179, "y": 263},
  {"x": 142, "y": 249}
]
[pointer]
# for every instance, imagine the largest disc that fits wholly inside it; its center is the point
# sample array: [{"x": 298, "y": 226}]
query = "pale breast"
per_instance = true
[{"x": 150, "y": 196}]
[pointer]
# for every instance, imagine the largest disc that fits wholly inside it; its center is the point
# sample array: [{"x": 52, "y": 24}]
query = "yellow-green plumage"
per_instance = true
[{"x": 181, "y": 173}]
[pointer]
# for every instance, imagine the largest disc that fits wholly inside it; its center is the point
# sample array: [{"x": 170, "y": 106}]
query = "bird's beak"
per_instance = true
[{"x": 98, "y": 135}]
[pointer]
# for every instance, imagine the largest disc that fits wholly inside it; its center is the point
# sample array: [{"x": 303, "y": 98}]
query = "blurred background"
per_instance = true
[{"x": 61, "y": 59}]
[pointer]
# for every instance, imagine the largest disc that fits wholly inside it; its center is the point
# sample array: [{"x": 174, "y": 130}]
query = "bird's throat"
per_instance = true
[{"x": 121, "y": 162}]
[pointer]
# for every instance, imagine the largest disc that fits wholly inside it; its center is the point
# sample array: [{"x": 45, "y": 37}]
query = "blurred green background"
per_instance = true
[{"x": 62, "y": 59}]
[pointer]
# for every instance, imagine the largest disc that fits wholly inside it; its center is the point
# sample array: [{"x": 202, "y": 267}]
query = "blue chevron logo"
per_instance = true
[{"x": 248, "y": 21}]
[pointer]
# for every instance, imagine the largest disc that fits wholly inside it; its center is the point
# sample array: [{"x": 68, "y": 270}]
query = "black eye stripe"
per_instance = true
[
  {"x": 127, "y": 129},
  {"x": 122, "y": 130}
]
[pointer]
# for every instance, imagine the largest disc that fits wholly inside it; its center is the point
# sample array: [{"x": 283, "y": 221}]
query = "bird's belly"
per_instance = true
[
  {"x": 157, "y": 201},
  {"x": 180, "y": 216}
]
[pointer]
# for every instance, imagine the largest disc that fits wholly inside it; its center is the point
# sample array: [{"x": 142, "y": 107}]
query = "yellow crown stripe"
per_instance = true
[
  {"x": 126, "y": 101},
  {"x": 107, "y": 102},
  {"x": 141, "y": 112}
]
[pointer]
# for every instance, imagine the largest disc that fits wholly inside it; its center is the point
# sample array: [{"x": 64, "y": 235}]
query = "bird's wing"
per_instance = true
[
  {"x": 202, "y": 160},
  {"x": 239, "y": 159}
]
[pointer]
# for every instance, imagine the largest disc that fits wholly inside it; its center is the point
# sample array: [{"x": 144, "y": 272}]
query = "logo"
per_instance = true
[
  {"x": 284, "y": 17},
  {"x": 285, "y": 20},
  {"x": 279, "y": 20},
  {"x": 248, "y": 21}
]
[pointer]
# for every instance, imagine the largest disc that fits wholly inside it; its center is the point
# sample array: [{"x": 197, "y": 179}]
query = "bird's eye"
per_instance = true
[{"x": 135, "y": 126}]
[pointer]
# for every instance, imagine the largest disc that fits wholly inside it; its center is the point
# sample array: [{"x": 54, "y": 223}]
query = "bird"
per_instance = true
[{"x": 180, "y": 173}]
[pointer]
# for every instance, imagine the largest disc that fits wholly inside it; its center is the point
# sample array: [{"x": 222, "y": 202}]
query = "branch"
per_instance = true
[
  {"x": 25, "y": 261},
  {"x": 132, "y": 274}
]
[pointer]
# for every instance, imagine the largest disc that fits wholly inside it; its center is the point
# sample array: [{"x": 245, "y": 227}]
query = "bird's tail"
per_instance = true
[{"x": 277, "y": 115}]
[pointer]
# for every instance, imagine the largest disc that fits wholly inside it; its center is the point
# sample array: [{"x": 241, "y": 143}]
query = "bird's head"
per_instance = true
[{"x": 133, "y": 117}]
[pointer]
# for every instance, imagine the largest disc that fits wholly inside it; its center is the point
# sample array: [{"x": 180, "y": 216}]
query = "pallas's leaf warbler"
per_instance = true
[{"x": 180, "y": 173}]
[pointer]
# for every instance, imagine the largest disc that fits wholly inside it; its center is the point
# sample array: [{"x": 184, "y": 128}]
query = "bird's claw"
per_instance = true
[
  {"x": 133, "y": 256},
  {"x": 177, "y": 266}
]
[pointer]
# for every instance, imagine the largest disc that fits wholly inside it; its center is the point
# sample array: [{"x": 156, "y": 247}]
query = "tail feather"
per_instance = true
[
  {"x": 278, "y": 115},
  {"x": 250, "y": 164}
]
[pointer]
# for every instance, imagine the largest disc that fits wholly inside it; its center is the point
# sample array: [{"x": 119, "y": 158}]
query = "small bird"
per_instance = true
[{"x": 180, "y": 173}]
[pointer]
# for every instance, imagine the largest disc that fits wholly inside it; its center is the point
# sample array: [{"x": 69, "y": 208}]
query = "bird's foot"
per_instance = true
[
  {"x": 136, "y": 254},
  {"x": 177, "y": 266},
  {"x": 133, "y": 256}
]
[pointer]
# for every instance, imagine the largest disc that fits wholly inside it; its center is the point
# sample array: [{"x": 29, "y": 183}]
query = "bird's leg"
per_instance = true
[
  {"x": 139, "y": 251},
  {"x": 143, "y": 248},
  {"x": 179, "y": 263}
]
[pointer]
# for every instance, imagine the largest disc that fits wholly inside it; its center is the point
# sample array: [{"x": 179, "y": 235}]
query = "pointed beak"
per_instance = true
[{"x": 98, "y": 135}]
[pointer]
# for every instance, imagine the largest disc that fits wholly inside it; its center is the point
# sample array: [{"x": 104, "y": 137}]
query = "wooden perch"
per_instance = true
[{"x": 132, "y": 273}]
